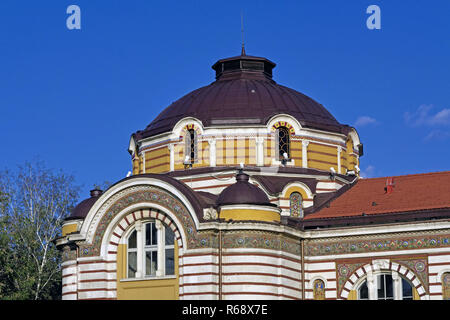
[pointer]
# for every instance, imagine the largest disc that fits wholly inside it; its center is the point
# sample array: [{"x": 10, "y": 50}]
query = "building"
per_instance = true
[{"x": 246, "y": 189}]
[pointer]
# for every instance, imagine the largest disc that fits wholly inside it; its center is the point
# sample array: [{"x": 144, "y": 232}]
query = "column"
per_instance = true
[
  {"x": 212, "y": 152},
  {"x": 397, "y": 286},
  {"x": 305, "y": 153},
  {"x": 140, "y": 242},
  {"x": 371, "y": 286},
  {"x": 339, "y": 150},
  {"x": 143, "y": 162},
  {"x": 160, "y": 234},
  {"x": 259, "y": 151},
  {"x": 171, "y": 157}
]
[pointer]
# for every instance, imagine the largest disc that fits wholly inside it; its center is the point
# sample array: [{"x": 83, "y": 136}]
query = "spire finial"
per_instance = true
[{"x": 242, "y": 32}]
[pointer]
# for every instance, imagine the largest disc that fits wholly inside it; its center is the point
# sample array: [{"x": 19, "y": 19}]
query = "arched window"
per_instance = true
[
  {"x": 296, "y": 204},
  {"x": 150, "y": 250},
  {"x": 319, "y": 290},
  {"x": 283, "y": 143},
  {"x": 386, "y": 286},
  {"x": 446, "y": 286},
  {"x": 190, "y": 146}
]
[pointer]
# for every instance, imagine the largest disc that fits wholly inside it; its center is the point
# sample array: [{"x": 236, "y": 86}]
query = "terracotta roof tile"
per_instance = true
[{"x": 415, "y": 192}]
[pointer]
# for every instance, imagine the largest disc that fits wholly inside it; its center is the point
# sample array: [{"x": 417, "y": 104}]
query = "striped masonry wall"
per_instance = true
[
  {"x": 260, "y": 274},
  {"x": 96, "y": 277},
  {"x": 246, "y": 274},
  {"x": 324, "y": 270},
  {"x": 199, "y": 275},
  {"x": 438, "y": 264}
]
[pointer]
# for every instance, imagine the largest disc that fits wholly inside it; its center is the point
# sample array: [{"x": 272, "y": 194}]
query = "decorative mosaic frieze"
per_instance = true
[
  {"x": 261, "y": 240},
  {"x": 318, "y": 248}
]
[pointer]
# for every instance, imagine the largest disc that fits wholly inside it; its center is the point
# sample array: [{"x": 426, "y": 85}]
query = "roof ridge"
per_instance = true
[{"x": 407, "y": 175}]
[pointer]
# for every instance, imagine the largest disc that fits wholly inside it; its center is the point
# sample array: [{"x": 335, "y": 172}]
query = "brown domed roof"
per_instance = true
[
  {"x": 243, "y": 192},
  {"x": 82, "y": 209},
  {"x": 243, "y": 93}
]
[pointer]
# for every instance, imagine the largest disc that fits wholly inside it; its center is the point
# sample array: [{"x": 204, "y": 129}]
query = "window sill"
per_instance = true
[{"x": 148, "y": 278}]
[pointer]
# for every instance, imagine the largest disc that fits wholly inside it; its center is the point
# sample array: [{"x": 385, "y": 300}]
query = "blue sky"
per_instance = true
[{"x": 72, "y": 98}]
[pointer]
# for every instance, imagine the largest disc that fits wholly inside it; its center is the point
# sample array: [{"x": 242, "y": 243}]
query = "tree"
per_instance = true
[{"x": 34, "y": 202}]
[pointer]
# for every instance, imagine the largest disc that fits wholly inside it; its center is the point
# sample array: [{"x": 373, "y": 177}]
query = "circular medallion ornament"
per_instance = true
[
  {"x": 343, "y": 271},
  {"x": 420, "y": 266}
]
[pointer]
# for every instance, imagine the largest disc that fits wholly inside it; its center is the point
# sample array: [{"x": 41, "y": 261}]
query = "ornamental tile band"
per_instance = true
[
  {"x": 313, "y": 248},
  {"x": 261, "y": 240}
]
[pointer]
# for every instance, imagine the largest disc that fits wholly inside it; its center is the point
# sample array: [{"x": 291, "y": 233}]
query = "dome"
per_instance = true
[
  {"x": 243, "y": 93},
  {"x": 82, "y": 209},
  {"x": 243, "y": 192}
]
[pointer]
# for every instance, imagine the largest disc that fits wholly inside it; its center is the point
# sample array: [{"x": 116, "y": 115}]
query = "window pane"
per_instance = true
[
  {"x": 389, "y": 286},
  {"x": 192, "y": 149},
  {"x": 385, "y": 287},
  {"x": 148, "y": 233},
  {"x": 151, "y": 263},
  {"x": 170, "y": 236},
  {"x": 154, "y": 236},
  {"x": 132, "y": 240},
  {"x": 407, "y": 290},
  {"x": 170, "y": 262},
  {"x": 363, "y": 291},
  {"x": 381, "y": 287},
  {"x": 283, "y": 142},
  {"x": 132, "y": 264}
]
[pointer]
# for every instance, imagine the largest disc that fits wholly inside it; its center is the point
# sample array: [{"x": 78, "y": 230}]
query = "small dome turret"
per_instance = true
[
  {"x": 245, "y": 201},
  {"x": 242, "y": 192},
  {"x": 81, "y": 210}
]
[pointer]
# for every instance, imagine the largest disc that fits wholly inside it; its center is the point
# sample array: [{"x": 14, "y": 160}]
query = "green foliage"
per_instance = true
[{"x": 33, "y": 204}]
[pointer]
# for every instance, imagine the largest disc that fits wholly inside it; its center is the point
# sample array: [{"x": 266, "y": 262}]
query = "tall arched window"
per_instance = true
[
  {"x": 150, "y": 250},
  {"x": 319, "y": 290},
  {"x": 446, "y": 286},
  {"x": 386, "y": 286},
  {"x": 296, "y": 204},
  {"x": 190, "y": 146},
  {"x": 283, "y": 143}
]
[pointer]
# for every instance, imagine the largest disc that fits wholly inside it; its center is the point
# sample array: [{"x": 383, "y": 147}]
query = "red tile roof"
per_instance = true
[{"x": 415, "y": 192}]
